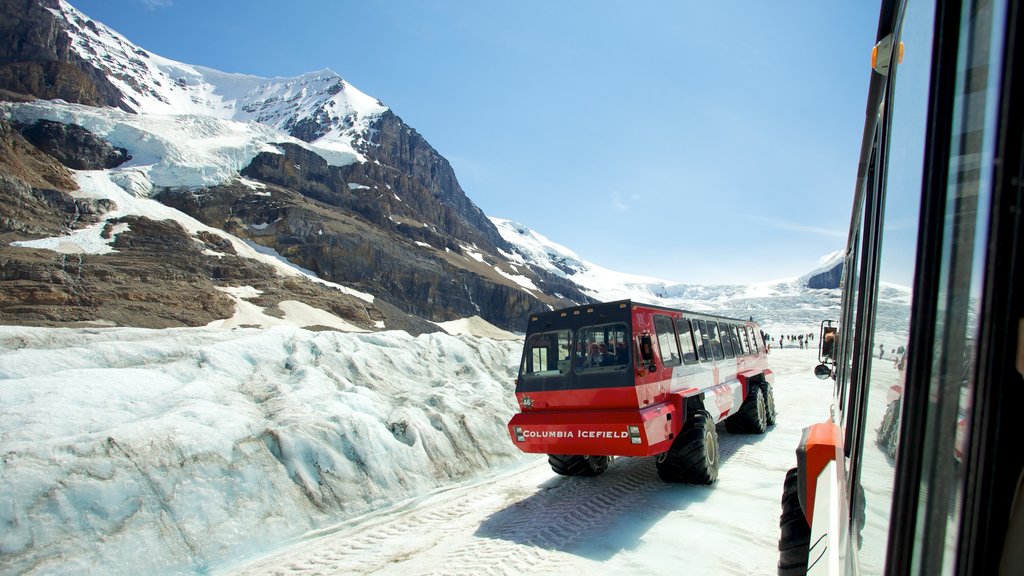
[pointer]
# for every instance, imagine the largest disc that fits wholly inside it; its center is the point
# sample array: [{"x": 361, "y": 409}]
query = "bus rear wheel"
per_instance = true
[
  {"x": 693, "y": 457},
  {"x": 576, "y": 465},
  {"x": 769, "y": 404},
  {"x": 752, "y": 417}
]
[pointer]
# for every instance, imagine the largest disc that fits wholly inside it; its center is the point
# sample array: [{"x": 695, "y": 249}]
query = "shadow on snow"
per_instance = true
[{"x": 599, "y": 517}]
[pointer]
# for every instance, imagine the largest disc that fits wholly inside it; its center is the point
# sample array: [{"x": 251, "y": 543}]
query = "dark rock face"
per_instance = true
[
  {"x": 74, "y": 146},
  {"x": 432, "y": 188},
  {"x": 343, "y": 246},
  {"x": 828, "y": 279},
  {"x": 24, "y": 162},
  {"x": 36, "y": 58}
]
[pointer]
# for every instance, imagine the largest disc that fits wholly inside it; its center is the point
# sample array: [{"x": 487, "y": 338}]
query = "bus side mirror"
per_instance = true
[
  {"x": 827, "y": 343},
  {"x": 647, "y": 352},
  {"x": 822, "y": 371}
]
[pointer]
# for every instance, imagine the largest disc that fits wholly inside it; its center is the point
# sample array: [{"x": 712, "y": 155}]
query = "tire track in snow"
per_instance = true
[
  {"x": 508, "y": 524},
  {"x": 371, "y": 546}
]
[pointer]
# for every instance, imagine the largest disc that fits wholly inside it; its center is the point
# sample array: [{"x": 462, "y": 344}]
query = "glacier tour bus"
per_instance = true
[
  {"x": 628, "y": 379},
  {"x": 917, "y": 468}
]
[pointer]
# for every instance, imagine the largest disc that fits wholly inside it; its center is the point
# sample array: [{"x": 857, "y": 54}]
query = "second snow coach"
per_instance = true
[{"x": 628, "y": 379}]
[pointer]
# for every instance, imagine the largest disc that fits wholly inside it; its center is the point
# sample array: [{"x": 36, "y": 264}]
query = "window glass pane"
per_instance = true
[
  {"x": 716, "y": 341},
  {"x": 700, "y": 337},
  {"x": 727, "y": 340},
  {"x": 754, "y": 346},
  {"x": 667, "y": 341},
  {"x": 738, "y": 341},
  {"x": 546, "y": 354},
  {"x": 603, "y": 346},
  {"x": 960, "y": 276},
  {"x": 884, "y": 375},
  {"x": 686, "y": 340}
]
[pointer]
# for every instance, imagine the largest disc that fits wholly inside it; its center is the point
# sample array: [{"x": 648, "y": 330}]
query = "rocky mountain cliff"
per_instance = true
[{"x": 345, "y": 189}]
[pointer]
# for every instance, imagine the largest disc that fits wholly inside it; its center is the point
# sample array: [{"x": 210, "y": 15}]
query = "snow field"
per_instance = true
[{"x": 132, "y": 451}]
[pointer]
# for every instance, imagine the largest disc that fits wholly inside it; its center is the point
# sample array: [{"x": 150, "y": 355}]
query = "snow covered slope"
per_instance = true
[
  {"x": 602, "y": 284},
  {"x": 132, "y": 451}
]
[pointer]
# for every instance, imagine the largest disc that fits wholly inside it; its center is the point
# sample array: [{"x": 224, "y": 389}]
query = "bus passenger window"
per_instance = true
[
  {"x": 741, "y": 350},
  {"x": 745, "y": 338},
  {"x": 716, "y": 341},
  {"x": 686, "y": 340},
  {"x": 726, "y": 340},
  {"x": 701, "y": 338},
  {"x": 667, "y": 341},
  {"x": 754, "y": 348}
]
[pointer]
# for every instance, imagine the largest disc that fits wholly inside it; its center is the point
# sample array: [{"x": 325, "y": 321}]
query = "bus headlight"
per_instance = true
[{"x": 519, "y": 434}]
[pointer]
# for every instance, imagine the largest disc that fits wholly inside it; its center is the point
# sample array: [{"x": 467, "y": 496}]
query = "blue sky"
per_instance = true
[{"x": 696, "y": 141}]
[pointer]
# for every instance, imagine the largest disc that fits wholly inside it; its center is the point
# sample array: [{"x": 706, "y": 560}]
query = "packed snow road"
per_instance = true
[{"x": 527, "y": 520}]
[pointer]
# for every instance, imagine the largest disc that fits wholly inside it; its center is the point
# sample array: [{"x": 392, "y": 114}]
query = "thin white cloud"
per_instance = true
[
  {"x": 796, "y": 227},
  {"x": 623, "y": 203},
  {"x": 155, "y": 4}
]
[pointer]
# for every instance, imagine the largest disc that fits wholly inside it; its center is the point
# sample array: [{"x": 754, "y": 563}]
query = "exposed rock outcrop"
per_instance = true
[
  {"x": 74, "y": 146},
  {"x": 36, "y": 58},
  {"x": 829, "y": 278}
]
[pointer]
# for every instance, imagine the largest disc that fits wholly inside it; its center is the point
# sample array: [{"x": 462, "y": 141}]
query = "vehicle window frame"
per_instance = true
[
  {"x": 717, "y": 351},
  {"x": 725, "y": 330},
  {"x": 579, "y": 358},
  {"x": 703, "y": 346},
  {"x": 529, "y": 355},
  {"x": 739, "y": 341},
  {"x": 690, "y": 356},
  {"x": 665, "y": 321}
]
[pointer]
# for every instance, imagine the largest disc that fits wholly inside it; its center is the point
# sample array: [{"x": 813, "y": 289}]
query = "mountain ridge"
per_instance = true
[{"x": 308, "y": 168}]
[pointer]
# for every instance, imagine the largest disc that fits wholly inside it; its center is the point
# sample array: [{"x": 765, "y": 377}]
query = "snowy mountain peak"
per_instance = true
[
  {"x": 316, "y": 107},
  {"x": 828, "y": 274}
]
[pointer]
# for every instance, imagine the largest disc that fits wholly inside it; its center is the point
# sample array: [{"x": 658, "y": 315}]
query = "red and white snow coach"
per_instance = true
[{"x": 627, "y": 379}]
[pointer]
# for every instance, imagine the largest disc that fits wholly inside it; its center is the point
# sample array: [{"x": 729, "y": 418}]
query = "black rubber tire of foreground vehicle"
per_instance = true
[
  {"x": 576, "y": 465},
  {"x": 794, "y": 533},
  {"x": 752, "y": 417},
  {"x": 693, "y": 457}
]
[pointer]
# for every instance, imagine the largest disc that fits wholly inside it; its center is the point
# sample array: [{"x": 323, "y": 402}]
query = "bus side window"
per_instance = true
[
  {"x": 727, "y": 340},
  {"x": 740, "y": 349},
  {"x": 754, "y": 348},
  {"x": 701, "y": 338},
  {"x": 667, "y": 341},
  {"x": 715, "y": 341},
  {"x": 686, "y": 340}
]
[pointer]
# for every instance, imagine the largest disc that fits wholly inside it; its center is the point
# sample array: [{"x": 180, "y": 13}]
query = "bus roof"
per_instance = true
[{"x": 608, "y": 308}]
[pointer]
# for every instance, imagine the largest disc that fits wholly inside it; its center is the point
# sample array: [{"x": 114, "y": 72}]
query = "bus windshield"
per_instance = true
[
  {"x": 590, "y": 348},
  {"x": 601, "y": 346},
  {"x": 546, "y": 354}
]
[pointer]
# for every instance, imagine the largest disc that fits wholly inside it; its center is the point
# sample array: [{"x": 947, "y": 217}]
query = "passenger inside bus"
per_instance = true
[{"x": 621, "y": 353}]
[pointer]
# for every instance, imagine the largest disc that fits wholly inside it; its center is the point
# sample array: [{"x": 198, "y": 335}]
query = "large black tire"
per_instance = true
[
  {"x": 752, "y": 417},
  {"x": 576, "y": 465},
  {"x": 794, "y": 533},
  {"x": 889, "y": 429},
  {"x": 693, "y": 457},
  {"x": 769, "y": 403}
]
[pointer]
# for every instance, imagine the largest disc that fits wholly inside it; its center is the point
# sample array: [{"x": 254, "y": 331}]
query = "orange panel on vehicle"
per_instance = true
[{"x": 818, "y": 447}]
